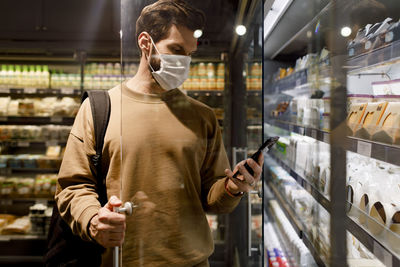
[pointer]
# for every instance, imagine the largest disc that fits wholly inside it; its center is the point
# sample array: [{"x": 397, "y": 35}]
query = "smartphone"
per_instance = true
[{"x": 265, "y": 146}]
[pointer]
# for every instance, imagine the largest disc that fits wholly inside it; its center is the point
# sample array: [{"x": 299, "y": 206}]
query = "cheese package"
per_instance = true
[
  {"x": 356, "y": 113},
  {"x": 370, "y": 121},
  {"x": 389, "y": 126}
]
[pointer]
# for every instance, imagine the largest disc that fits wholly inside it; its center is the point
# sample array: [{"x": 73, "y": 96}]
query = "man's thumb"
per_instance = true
[{"x": 113, "y": 202}]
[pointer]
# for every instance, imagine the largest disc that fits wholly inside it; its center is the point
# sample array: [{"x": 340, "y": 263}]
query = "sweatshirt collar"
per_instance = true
[{"x": 150, "y": 98}]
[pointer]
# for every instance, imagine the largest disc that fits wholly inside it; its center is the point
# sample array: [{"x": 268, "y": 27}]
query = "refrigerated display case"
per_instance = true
[{"x": 334, "y": 171}]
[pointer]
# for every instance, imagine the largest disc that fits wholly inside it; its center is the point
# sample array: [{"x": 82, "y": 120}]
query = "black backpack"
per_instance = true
[{"x": 63, "y": 247}]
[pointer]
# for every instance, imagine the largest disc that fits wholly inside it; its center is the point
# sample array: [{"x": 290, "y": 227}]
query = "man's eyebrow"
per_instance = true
[{"x": 177, "y": 45}]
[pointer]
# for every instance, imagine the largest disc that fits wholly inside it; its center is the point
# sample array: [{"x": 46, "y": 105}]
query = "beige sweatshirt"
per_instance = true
[{"x": 172, "y": 154}]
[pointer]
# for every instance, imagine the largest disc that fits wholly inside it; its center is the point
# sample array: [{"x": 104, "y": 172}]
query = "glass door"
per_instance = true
[{"x": 179, "y": 128}]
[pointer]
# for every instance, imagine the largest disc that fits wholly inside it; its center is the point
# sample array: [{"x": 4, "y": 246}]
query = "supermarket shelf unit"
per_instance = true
[
  {"x": 376, "y": 150},
  {"x": 375, "y": 246}
]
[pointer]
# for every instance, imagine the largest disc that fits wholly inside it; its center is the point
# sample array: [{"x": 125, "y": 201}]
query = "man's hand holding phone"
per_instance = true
[
  {"x": 245, "y": 181},
  {"x": 248, "y": 172}
]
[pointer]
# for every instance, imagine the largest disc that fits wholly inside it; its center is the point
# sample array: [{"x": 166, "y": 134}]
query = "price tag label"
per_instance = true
[
  {"x": 52, "y": 143},
  {"x": 364, "y": 148},
  {"x": 314, "y": 134},
  {"x": 308, "y": 188},
  {"x": 301, "y": 130},
  {"x": 326, "y": 138},
  {"x": 18, "y": 91},
  {"x": 56, "y": 119},
  {"x": 291, "y": 127},
  {"x": 6, "y": 201},
  {"x": 67, "y": 91},
  {"x": 30, "y": 90},
  {"x": 4, "y": 90},
  {"x": 23, "y": 144}
]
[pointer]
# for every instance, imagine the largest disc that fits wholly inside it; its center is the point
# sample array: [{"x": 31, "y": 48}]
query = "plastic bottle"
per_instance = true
[
  {"x": 10, "y": 75},
  {"x": 34, "y": 81},
  {"x": 18, "y": 76},
  {"x": 25, "y": 80},
  {"x": 3, "y": 75},
  {"x": 45, "y": 76}
]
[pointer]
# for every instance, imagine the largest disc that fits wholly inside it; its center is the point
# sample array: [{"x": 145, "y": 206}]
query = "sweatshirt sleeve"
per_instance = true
[
  {"x": 76, "y": 196},
  {"x": 214, "y": 195}
]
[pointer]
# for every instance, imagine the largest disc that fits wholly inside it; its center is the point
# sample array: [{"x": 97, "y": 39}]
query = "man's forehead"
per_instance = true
[{"x": 182, "y": 36}]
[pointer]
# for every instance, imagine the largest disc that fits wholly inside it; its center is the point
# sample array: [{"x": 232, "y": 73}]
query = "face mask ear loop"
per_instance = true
[{"x": 156, "y": 51}]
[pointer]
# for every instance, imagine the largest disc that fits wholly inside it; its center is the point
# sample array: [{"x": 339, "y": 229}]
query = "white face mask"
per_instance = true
[{"x": 174, "y": 70}]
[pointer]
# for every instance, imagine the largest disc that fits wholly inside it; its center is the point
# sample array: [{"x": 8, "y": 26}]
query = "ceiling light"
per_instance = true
[
  {"x": 241, "y": 30},
  {"x": 197, "y": 33},
  {"x": 277, "y": 10},
  {"x": 345, "y": 32}
]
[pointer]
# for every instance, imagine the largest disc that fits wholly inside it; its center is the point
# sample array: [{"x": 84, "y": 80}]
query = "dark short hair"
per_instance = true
[{"x": 157, "y": 18}]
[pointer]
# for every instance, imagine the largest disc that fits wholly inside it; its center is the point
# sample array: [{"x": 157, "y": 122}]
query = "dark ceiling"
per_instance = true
[{"x": 56, "y": 27}]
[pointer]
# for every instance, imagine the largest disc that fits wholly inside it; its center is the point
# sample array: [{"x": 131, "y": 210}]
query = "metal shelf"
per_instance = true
[
  {"x": 376, "y": 150},
  {"x": 380, "y": 151},
  {"x": 297, "y": 225},
  {"x": 194, "y": 93},
  {"x": 371, "y": 243},
  {"x": 34, "y": 92},
  {"x": 35, "y": 120},
  {"x": 256, "y": 93},
  {"x": 12, "y": 199},
  {"x": 317, "y": 134},
  {"x": 388, "y": 53},
  {"x": 30, "y": 144},
  {"x": 32, "y": 170},
  {"x": 375, "y": 246},
  {"x": 297, "y": 78}
]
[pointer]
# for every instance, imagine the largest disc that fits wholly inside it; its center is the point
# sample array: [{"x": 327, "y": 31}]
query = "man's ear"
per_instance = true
[{"x": 144, "y": 43}]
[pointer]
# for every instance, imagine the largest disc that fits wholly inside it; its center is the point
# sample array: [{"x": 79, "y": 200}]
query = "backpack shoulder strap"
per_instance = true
[{"x": 101, "y": 108}]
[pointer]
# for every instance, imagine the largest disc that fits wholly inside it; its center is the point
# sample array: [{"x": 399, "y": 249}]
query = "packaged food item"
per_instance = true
[
  {"x": 29, "y": 161},
  {"x": 12, "y": 109},
  {"x": 26, "y": 107},
  {"x": 7, "y": 218},
  {"x": 21, "y": 225},
  {"x": 24, "y": 186},
  {"x": 38, "y": 218},
  {"x": 356, "y": 113},
  {"x": 4, "y": 102},
  {"x": 388, "y": 130},
  {"x": 370, "y": 121}
]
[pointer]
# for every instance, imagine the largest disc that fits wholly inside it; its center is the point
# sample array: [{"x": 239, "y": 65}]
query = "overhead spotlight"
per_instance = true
[
  {"x": 241, "y": 30},
  {"x": 197, "y": 33},
  {"x": 345, "y": 32}
]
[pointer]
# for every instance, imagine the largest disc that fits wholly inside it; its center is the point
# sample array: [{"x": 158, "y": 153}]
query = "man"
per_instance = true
[{"x": 174, "y": 166}]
